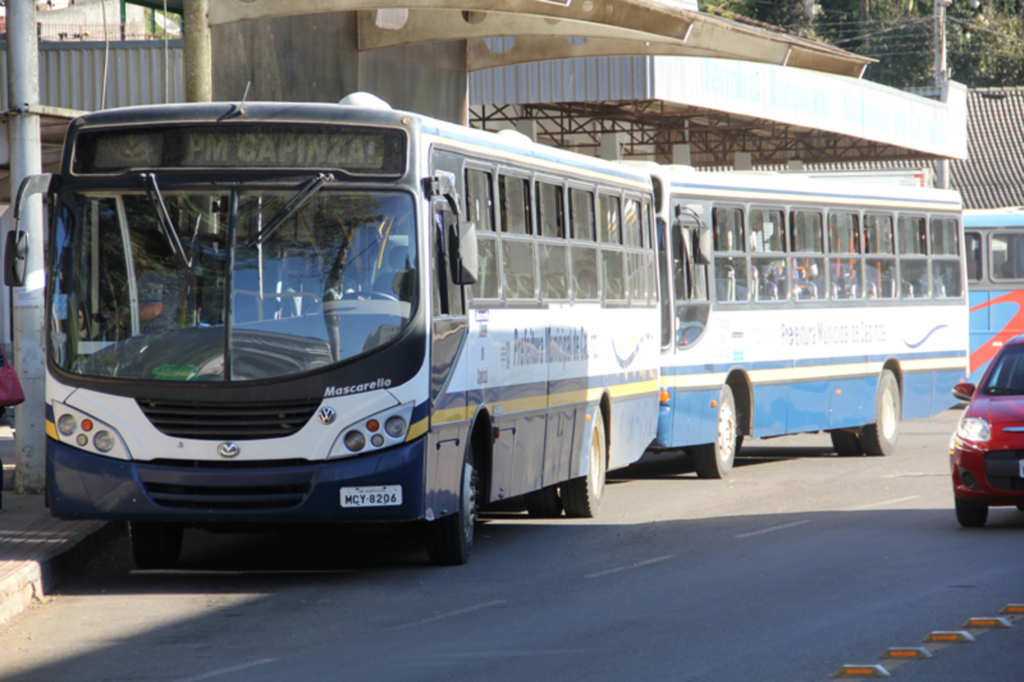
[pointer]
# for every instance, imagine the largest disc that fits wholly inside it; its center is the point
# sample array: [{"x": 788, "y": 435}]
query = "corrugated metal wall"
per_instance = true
[
  {"x": 594, "y": 79},
  {"x": 71, "y": 74}
]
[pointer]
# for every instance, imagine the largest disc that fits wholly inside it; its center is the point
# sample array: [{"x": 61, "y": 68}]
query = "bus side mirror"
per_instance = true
[
  {"x": 703, "y": 248},
  {"x": 442, "y": 186},
  {"x": 464, "y": 261},
  {"x": 16, "y": 248},
  {"x": 15, "y": 258},
  {"x": 963, "y": 391}
]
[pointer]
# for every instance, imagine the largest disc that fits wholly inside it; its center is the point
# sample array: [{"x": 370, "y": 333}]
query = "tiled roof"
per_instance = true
[{"x": 993, "y": 174}]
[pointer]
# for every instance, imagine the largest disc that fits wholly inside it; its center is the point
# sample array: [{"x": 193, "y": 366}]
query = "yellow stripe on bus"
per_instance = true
[{"x": 51, "y": 430}]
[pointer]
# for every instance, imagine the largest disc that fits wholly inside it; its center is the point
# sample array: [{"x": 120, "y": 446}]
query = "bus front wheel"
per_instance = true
[
  {"x": 715, "y": 460},
  {"x": 879, "y": 439},
  {"x": 450, "y": 538},
  {"x": 155, "y": 545},
  {"x": 581, "y": 497}
]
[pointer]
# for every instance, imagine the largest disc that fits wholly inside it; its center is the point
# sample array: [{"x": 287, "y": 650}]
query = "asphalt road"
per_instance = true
[{"x": 799, "y": 563}]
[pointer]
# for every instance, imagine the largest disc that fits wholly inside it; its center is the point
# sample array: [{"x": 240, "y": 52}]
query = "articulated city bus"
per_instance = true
[
  {"x": 994, "y": 243},
  {"x": 799, "y": 305},
  {"x": 276, "y": 313}
]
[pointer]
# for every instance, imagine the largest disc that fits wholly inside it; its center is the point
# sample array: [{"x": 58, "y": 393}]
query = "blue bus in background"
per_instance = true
[{"x": 994, "y": 246}]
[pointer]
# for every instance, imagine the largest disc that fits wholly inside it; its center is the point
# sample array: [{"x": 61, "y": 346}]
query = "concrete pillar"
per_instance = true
[
  {"x": 611, "y": 146},
  {"x": 198, "y": 62},
  {"x": 29, "y": 321},
  {"x": 742, "y": 161},
  {"x": 795, "y": 165},
  {"x": 526, "y": 126},
  {"x": 681, "y": 155}
]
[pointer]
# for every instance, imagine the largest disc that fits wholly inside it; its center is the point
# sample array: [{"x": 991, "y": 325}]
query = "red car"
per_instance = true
[{"x": 987, "y": 451}]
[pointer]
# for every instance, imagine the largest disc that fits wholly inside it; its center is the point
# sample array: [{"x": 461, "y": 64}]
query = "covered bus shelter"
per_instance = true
[{"x": 639, "y": 78}]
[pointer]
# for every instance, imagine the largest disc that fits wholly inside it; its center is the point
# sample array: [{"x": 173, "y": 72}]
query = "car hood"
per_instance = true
[{"x": 1002, "y": 410}]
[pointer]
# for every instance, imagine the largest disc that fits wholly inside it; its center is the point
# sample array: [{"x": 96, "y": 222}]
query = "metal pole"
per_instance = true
[
  {"x": 198, "y": 62},
  {"x": 941, "y": 78},
  {"x": 26, "y": 159}
]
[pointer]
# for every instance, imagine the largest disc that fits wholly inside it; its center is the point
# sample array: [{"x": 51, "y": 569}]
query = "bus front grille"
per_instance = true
[
  {"x": 216, "y": 489},
  {"x": 219, "y": 421}
]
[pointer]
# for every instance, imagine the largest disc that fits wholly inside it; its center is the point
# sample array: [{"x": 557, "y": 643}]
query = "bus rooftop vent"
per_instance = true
[{"x": 365, "y": 99}]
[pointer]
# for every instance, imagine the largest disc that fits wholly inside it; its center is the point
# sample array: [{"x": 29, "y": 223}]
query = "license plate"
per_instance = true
[{"x": 373, "y": 496}]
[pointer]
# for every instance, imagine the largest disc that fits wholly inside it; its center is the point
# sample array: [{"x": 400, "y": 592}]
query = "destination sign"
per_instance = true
[{"x": 353, "y": 150}]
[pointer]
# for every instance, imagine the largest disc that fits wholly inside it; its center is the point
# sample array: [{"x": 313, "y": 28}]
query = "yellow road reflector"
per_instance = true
[
  {"x": 861, "y": 671},
  {"x": 950, "y": 636},
  {"x": 1012, "y": 608},
  {"x": 987, "y": 623},
  {"x": 907, "y": 652}
]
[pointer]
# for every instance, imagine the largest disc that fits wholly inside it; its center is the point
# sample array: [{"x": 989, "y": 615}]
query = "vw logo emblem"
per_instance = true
[
  {"x": 228, "y": 450},
  {"x": 326, "y": 415}
]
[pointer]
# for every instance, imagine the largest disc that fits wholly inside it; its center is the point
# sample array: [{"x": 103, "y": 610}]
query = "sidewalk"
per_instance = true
[{"x": 36, "y": 550}]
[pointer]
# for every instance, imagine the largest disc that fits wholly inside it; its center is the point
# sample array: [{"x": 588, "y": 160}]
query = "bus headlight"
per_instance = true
[
  {"x": 974, "y": 429},
  {"x": 395, "y": 427},
  {"x": 355, "y": 441},
  {"x": 384, "y": 429},
  {"x": 67, "y": 424},
  {"x": 85, "y": 432},
  {"x": 103, "y": 441}
]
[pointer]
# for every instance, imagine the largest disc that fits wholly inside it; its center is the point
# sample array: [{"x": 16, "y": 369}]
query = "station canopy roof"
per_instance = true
[{"x": 824, "y": 111}]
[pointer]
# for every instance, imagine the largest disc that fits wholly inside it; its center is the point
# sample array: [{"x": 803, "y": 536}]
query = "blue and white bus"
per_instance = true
[
  {"x": 296, "y": 313},
  {"x": 794, "y": 305},
  {"x": 994, "y": 244}
]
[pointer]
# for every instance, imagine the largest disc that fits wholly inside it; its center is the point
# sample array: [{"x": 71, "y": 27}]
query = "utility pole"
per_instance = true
[
  {"x": 198, "y": 62},
  {"x": 28, "y": 318},
  {"x": 941, "y": 77}
]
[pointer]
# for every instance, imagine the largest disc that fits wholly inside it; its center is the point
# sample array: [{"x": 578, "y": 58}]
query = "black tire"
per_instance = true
[
  {"x": 715, "y": 460},
  {"x": 971, "y": 515},
  {"x": 581, "y": 497},
  {"x": 847, "y": 444},
  {"x": 450, "y": 538},
  {"x": 879, "y": 439},
  {"x": 155, "y": 545},
  {"x": 544, "y": 503}
]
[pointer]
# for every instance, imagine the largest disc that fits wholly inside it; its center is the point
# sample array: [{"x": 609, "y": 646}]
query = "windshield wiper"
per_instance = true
[
  {"x": 305, "y": 192},
  {"x": 156, "y": 198}
]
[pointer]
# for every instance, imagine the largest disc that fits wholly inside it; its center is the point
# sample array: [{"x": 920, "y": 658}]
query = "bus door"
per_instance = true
[
  {"x": 449, "y": 418},
  {"x": 689, "y": 278}
]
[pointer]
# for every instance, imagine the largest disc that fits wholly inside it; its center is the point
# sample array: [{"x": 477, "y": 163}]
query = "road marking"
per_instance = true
[
  {"x": 452, "y": 614},
  {"x": 631, "y": 566},
  {"x": 882, "y": 504},
  {"x": 773, "y": 529},
  {"x": 225, "y": 671}
]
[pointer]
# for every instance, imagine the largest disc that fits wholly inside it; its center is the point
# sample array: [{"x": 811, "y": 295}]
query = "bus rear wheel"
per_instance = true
[
  {"x": 544, "y": 503},
  {"x": 581, "y": 497},
  {"x": 715, "y": 460},
  {"x": 879, "y": 439},
  {"x": 155, "y": 545},
  {"x": 450, "y": 538}
]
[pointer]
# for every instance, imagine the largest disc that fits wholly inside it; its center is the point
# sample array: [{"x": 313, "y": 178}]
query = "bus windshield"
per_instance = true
[{"x": 181, "y": 285}]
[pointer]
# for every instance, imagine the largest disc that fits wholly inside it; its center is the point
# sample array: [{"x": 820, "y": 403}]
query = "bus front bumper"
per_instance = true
[{"x": 82, "y": 485}]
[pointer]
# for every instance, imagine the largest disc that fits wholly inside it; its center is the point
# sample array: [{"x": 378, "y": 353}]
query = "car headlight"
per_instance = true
[{"x": 974, "y": 429}]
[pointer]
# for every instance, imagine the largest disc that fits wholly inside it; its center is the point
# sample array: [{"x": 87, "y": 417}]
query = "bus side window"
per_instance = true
[
  {"x": 808, "y": 271},
  {"x": 583, "y": 255},
  {"x": 480, "y": 210},
  {"x": 945, "y": 262},
  {"x": 972, "y": 247},
  {"x": 912, "y": 238}
]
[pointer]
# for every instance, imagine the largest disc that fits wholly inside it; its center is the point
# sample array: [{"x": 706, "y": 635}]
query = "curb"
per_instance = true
[{"x": 27, "y": 581}]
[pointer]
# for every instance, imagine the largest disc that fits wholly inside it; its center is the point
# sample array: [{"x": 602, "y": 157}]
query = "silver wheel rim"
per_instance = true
[
  {"x": 726, "y": 432},
  {"x": 468, "y": 511},
  {"x": 596, "y": 466},
  {"x": 888, "y": 415}
]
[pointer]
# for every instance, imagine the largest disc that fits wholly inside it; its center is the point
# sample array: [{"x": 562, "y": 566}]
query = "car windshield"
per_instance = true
[
  {"x": 192, "y": 286},
  {"x": 1007, "y": 374}
]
